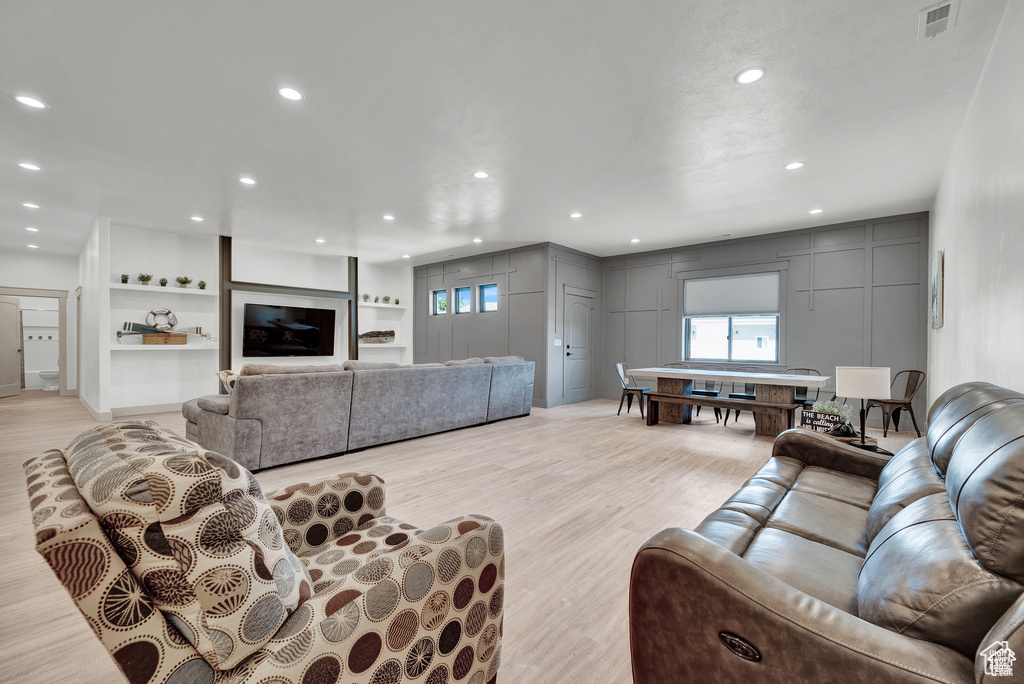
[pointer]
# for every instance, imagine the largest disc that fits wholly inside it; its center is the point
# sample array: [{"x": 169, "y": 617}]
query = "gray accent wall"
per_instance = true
[
  {"x": 853, "y": 294},
  {"x": 517, "y": 327}
]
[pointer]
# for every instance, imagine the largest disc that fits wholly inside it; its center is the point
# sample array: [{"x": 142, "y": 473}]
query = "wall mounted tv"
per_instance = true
[{"x": 287, "y": 331}]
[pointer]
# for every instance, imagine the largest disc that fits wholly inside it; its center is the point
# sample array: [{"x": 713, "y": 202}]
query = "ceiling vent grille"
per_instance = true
[{"x": 937, "y": 19}]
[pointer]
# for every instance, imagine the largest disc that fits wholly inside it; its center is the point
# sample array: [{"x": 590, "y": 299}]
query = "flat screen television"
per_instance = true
[{"x": 287, "y": 331}]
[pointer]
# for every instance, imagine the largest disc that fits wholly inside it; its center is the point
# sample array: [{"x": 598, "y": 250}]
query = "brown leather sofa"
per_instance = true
[{"x": 835, "y": 564}]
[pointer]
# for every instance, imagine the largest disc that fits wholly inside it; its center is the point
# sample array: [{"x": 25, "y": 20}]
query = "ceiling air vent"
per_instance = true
[{"x": 937, "y": 19}]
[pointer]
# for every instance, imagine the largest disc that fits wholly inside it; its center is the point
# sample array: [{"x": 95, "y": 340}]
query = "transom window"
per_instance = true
[
  {"x": 489, "y": 297},
  {"x": 462, "y": 300},
  {"x": 439, "y": 302},
  {"x": 734, "y": 318}
]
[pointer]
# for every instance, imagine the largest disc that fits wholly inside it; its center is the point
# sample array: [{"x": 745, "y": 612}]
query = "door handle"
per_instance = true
[{"x": 568, "y": 354}]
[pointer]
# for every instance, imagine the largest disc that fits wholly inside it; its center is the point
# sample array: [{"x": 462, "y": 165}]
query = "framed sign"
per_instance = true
[{"x": 936, "y": 290}]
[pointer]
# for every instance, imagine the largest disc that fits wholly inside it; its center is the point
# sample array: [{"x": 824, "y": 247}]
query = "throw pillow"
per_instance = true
[{"x": 228, "y": 378}]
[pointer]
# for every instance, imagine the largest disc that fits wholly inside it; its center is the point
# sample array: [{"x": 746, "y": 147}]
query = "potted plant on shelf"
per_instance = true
[
  {"x": 396, "y": 301},
  {"x": 183, "y": 281},
  {"x": 124, "y": 278},
  {"x": 387, "y": 299},
  {"x": 144, "y": 278},
  {"x": 202, "y": 284},
  {"x": 366, "y": 296},
  {"x": 163, "y": 282},
  {"x": 376, "y": 300}
]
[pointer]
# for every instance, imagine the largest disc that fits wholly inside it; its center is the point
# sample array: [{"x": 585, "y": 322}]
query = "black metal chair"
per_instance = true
[
  {"x": 891, "y": 408},
  {"x": 709, "y": 388},
  {"x": 630, "y": 390},
  {"x": 803, "y": 394},
  {"x": 749, "y": 390},
  {"x": 678, "y": 364}
]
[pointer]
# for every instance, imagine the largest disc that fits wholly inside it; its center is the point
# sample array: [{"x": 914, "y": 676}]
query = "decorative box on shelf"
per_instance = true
[
  {"x": 165, "y": 338},
  {"x": 377, "y": 337}
]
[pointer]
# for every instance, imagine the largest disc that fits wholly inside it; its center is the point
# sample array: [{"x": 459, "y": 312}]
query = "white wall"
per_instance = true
[
  {"x": 397, "y": 283},
  {"x": 977, "y": 221},
  {"x": 46, "y": 272}
]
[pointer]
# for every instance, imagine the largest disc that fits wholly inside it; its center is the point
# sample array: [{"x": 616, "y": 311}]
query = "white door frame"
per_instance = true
[{"x": 62, "y": 318}]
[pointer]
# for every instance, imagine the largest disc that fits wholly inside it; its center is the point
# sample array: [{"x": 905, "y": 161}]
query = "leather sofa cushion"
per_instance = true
[
  {"x": 821, "y": 519},
  {"x": 276, "y": 369},
  {"x": 730, "y": 529},
  {"x": 956, "y": 411},
  {"x": 985, "y": 484},
  {"x": 820, "y": 571},
  {"x": 921, "y": 579},
  {"x": 908, "y": 477},
  {"x": 833, "y": 484},
  {"x": 218, "y": 403},
  {"x": 190, "y": 409},
  {"x": 756, "y": 499},
  {"x": 781, "y": 470}
]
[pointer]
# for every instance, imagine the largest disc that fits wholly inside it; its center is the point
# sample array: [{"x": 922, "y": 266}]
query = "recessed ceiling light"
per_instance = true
[
  {"x": 30, "y": 205},
  {"x": 30, "y": 167},
  {"x": 406, "y": 256},
  {"x": 750, "y": 75},
  {"x": 290, "y": 94},
  {"x": 32, "y": 246},
  {"x": 197, "y": 219},
  {"x": 247, "y": 180},
  {"x": 388, "y": 217},
  {"x": 635, "y": 240},
  {"x": 815, "y": 211},
  {"x": 321, "y": 240},
  {"x": 575, "y": 214},
  {"x": 31, "y": 102},
  {"x": 32, "y": 230},
  {"x": 477, "y": 240},
  {"x": 792, "y": 166},
  {"x": 480, "y": 174}
]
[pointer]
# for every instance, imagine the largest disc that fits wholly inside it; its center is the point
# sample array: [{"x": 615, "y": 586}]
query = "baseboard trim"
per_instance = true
[
  {"x": 149, "y": 408},
  {"x": 98, "y": 416}
]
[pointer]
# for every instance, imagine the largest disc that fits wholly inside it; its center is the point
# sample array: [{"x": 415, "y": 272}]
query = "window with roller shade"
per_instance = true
[{"x": 732, "y": 318}]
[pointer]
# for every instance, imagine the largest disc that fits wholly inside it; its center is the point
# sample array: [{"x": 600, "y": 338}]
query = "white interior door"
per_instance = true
[
  {"x": 10, "y": 348},
  {"x": 578, "y": 346}
]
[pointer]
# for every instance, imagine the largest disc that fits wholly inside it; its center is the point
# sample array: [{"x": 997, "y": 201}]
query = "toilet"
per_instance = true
[{"x": 52, "y": 379}]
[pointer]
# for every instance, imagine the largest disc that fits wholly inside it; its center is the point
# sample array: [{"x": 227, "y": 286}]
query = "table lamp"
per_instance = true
[{"x": 862, "y": 382}]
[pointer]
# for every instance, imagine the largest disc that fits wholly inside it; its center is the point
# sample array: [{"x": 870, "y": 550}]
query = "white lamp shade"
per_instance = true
[{"x": 862, "y": 382}]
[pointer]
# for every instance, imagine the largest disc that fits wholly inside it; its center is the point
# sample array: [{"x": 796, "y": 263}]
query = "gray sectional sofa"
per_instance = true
[{"x": 282, "y": 414}]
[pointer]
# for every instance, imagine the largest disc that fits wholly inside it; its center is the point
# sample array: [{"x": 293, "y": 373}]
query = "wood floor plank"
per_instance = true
[{"x": 576, "y": 488}]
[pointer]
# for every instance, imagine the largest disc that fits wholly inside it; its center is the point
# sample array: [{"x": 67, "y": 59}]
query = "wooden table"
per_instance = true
[{"x": 769, "y": 388}]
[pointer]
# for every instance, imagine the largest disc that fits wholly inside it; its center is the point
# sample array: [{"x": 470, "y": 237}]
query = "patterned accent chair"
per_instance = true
[{"x": 188, "y": 574}]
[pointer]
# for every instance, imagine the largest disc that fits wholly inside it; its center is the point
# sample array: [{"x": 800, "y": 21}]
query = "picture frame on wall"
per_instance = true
[{"x": 936, "y": 290}]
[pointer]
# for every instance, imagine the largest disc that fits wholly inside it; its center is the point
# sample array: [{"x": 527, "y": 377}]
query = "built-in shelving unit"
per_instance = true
[
  {"x": 164, "y": 290},
  {"x": 383, "y": 317},
  {"x": 134, "y": 346}
]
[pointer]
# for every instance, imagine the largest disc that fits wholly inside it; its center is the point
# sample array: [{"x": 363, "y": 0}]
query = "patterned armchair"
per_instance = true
[{"x": 188, "y": 574}]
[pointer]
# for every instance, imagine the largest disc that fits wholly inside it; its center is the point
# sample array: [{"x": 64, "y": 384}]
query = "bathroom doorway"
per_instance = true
[{"x": 41, "y": 323}]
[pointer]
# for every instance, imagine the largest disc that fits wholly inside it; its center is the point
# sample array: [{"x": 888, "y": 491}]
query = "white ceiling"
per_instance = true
[{"x": 624, "y": 111}]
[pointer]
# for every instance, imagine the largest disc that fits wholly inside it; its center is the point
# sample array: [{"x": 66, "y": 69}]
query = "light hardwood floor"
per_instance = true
[{"x": 577, "y": 489}]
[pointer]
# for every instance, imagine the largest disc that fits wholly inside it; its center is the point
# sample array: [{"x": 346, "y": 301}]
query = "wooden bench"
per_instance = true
[{"x": 655, "y": 398}]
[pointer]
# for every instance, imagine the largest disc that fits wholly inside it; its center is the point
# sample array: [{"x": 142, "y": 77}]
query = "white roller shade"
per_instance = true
[{"x": 733, "y": 295}]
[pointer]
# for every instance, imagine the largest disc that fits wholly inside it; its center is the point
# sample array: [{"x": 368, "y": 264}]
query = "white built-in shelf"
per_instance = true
[
  {"x": 191, "y": 346},
  {"x": 394, "y": 307},
  {"x": 380, "y": 345},
  {"x": 164, "y": 290}
]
